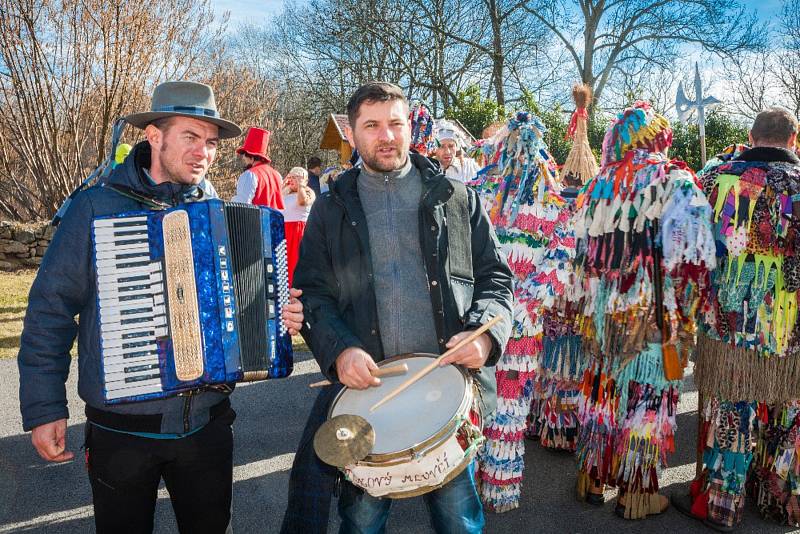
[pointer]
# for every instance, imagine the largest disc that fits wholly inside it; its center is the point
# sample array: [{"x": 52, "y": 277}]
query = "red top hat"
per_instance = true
[{"x": 256, "y": 143}]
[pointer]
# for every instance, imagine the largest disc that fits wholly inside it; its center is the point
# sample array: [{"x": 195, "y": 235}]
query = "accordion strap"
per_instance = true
[
  {"x": 99, "y": 175},
  {"x": 150, "y": 202}
]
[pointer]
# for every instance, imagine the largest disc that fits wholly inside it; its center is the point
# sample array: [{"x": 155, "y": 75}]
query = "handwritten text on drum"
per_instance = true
[{"x": 433, "y": 475}]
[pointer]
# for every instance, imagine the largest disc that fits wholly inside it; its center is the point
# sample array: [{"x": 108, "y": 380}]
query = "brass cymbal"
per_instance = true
[{"x": 344, "y": 440}]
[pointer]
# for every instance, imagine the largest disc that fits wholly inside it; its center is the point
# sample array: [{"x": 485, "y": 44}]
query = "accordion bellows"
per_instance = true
[{"x": 190, "y": 297}]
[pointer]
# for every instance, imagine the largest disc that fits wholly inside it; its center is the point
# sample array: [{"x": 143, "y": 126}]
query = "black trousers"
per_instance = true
[{"x": 125, "y": 471}]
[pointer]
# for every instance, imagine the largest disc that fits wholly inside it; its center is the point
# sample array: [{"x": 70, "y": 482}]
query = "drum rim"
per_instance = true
[{"x": 404, "y": 455}]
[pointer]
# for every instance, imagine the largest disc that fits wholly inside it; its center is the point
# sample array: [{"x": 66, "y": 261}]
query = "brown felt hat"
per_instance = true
[{"x": 185, "y": 99}]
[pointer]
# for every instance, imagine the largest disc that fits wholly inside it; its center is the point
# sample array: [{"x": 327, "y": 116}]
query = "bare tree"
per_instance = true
[
  {"x": 305, "y": 92},
  {"x": 385, "y": 41},
  {"x": 655, "y": 85},
  {"x": 434, "y": 48},
  {"x": 758, "y": 81},
  {"x": 628, "y": 36},
  {"x": 68, "y": 68},
  {"x": 509, "y": 44},
  {"x": 786, "y": 66},
  {"x": 753, "y": 87},
  {"x": 246, "y": 98}
]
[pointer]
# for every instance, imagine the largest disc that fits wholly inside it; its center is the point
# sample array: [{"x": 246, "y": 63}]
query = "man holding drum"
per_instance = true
[{"x": 396, "y": 259}]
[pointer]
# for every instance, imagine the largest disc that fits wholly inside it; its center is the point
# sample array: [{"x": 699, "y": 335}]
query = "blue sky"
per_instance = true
[
  {"x": 257, "y": 10},
  {"x": 247, "y": 10},
  {"x": 766, "y": 8}
]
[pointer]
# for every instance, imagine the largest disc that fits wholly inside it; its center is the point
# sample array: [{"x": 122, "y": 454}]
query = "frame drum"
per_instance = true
[{"x": 424, "y": 437}]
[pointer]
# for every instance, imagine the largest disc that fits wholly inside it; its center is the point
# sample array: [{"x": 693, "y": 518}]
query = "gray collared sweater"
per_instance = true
[{"x": 391, "y": 205}]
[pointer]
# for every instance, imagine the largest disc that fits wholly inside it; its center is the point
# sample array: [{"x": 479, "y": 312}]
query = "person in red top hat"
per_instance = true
[{"x": 259, "y": 184}]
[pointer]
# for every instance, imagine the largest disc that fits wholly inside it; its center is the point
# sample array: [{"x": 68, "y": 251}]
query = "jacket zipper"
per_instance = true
[
  {"x": 425, "y": 201},
  {"x": 187, "y": 408},
  {"x": 395, "y": 273}
]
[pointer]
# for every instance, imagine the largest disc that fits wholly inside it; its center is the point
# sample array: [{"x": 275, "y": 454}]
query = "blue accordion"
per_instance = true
[{"x": 190, "y": 297}]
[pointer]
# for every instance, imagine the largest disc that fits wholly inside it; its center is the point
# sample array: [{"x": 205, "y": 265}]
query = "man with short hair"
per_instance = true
[
  {"x": 449, "y": 153},
  {"x": 378, "y": 280},
  {"x": 748, "y": 349},
  {"x": 314, "y": 172},
  {"x": 186, "y": 440}
]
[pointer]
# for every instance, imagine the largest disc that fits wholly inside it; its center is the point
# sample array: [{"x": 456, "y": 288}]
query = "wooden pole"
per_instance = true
[
  {"x": 701, "y": 124},
  {"x": 698, "y": 468}
]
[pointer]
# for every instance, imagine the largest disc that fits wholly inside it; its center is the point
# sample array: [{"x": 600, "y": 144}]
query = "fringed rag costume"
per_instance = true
[
  {"x": 532, "y": 223},
  {"x": 748, "y": 354},
  {"x": 728, "y": 153},
  {"x": 422, "y": 122},
  {"x": 644, "y": 248},
  {"x": 553, "y": 416}
]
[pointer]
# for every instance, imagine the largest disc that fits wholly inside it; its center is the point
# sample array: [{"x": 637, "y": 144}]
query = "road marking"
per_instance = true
[
  {"x": 241, "y": 473},
  {"x": 50, "y": 519},
  {"x": 282, "y": 462}
]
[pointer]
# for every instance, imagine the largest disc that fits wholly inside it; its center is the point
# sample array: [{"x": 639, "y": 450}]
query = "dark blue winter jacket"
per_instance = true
[{"x": 65, "y": 287}]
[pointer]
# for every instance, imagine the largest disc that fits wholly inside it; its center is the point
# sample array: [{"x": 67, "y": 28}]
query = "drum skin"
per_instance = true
[{"x": 423, "y": 419}]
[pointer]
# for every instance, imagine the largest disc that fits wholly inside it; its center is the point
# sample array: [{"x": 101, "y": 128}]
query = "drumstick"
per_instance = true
[
  {"x": 430, "y": 367},
  {"x": 391, "y": 370}
]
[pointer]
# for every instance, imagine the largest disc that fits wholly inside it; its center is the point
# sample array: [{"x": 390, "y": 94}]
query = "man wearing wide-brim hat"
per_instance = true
[
  {"x": 185, "y": 440},
  {"x": 260, "y": 183}
]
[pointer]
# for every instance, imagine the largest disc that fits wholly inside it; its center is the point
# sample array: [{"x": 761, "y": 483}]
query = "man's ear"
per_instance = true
[
  {"x": 348, "y": 133},
  {"x": 750, "y": 138},
  {"x": 153, "y": 135},
  {"x": 792, "y": 144}
]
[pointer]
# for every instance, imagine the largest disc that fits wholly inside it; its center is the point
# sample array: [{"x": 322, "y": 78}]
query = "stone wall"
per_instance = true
[{"x": 23, "y": 245}]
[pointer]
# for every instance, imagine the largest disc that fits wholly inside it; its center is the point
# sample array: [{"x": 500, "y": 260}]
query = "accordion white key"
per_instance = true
[{"x": 190, "y": 297}]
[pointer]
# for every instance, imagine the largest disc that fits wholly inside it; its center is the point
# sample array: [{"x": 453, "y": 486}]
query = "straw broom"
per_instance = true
[{"x": 581, "y": 164}]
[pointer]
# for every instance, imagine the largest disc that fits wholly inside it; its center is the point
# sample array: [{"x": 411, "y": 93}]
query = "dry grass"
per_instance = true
[{"x": 14, "y": 288}]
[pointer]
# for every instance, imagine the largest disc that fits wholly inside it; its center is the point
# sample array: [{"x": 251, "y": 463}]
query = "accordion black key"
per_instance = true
[{"x": 190, "y": 297}]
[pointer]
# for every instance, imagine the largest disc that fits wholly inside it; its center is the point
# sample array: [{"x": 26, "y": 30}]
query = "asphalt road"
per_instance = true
[{"x": 36, "y": 497}]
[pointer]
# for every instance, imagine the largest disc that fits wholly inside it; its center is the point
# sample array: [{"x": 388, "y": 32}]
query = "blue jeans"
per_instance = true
[{"x": 454, "y": 508}]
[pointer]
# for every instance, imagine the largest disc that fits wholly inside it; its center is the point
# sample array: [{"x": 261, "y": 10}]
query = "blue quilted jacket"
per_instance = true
[{"x": 65, "y": 287}]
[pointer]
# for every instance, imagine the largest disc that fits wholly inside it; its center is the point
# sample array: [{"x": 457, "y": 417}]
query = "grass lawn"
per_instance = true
[{"x": 14, "y": 289}]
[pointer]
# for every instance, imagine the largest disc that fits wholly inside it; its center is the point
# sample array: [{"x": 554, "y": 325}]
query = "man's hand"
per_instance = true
[
  {"x": 292, "y": 313},
  {"x": 472, "y": 355},
  {"x": 50, "y": 441},
  {"x": 353, "y": 367}
]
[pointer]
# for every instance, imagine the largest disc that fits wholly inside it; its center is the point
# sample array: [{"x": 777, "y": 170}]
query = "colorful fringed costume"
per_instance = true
[
  {"x": 728, "y": 153},
  {"x": 748, "y": 353},
  {"x": 644, "y": 248},
  {"x": 481, "y": 151},
  {"x": 422, "y": 122},
  {"x": 487, "y": 153},
  {"x": 553, "y": 417},
  {"x": 532, "y": 224}
]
